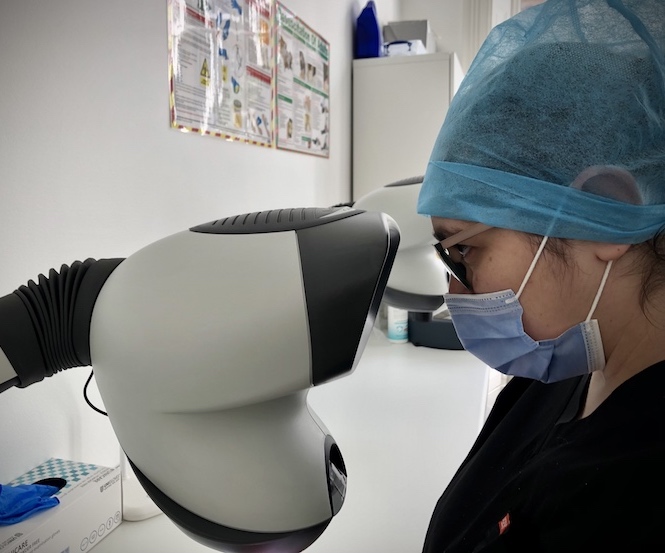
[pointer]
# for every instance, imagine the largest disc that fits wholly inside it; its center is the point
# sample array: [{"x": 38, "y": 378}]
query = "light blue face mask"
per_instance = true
[{"x": 490, "y": 327}]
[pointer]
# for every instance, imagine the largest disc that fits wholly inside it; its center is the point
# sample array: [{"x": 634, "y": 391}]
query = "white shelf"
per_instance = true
[{"x": 399, "y": 104}]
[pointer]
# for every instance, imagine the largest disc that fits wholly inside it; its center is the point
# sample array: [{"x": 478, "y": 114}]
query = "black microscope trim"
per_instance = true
[
  {"x": 275, "y": 220},
  {"x": 224, "y": 538}
]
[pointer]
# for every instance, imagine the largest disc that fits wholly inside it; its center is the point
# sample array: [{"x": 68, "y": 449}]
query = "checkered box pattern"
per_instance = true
[{"x": 71, "y": 471}]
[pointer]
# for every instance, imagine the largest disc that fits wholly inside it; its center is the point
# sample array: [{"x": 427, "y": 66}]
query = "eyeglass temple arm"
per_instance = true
[{"x": 464, "y": 234}]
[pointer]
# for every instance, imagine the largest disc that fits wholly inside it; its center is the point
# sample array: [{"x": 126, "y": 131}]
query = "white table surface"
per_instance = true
[{"x": 404, "y": 421}]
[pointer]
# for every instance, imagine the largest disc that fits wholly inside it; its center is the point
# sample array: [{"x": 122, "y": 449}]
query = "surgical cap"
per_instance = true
[{"x": 558, "y": 128}]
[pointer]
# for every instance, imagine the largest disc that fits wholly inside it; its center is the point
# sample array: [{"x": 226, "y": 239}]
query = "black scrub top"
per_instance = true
[{"x": 539, "y": 479}]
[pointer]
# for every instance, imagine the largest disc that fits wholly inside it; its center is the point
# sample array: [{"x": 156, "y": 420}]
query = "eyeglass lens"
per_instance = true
[{"x": 457, "y": 269}]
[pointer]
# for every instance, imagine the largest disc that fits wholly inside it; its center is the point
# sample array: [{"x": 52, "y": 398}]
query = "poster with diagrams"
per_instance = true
[
  {"x": 221, "y": 68},
  {"x": 249, "y": 70},
  {"x": 302, "y": 86}
]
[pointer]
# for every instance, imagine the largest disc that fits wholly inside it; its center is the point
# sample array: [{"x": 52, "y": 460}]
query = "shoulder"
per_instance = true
[{"x": 642, "y": 395}]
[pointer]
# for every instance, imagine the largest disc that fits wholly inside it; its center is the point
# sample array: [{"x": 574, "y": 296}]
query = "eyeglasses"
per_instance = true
[{"x": 453, "y": 257}]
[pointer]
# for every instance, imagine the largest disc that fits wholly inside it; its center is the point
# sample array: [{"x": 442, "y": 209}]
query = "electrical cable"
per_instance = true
[{"x": 87, "y": 400}]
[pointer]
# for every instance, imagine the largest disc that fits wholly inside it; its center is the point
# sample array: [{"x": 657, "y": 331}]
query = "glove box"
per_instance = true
[{"x": 90, "y": 507}]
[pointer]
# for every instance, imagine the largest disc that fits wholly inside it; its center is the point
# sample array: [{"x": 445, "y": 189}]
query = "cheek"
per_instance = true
[
  {"x": 456, "y": 287},
  {"x": 553, "y": 304},
  {"x": 493, "y": 273}
]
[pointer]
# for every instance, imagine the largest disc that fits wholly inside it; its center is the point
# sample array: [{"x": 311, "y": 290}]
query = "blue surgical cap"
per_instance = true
[{"x": 558, "y": 128}]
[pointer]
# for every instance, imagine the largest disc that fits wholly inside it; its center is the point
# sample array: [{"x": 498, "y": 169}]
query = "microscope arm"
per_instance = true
[{"x": 46, "y": 325}]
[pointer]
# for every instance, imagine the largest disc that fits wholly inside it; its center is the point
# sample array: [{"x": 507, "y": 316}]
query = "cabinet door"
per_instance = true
[{"x": 399, "y": 104}]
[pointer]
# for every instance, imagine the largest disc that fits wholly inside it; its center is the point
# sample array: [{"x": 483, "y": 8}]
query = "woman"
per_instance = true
[{"x": 546, "y": 189}]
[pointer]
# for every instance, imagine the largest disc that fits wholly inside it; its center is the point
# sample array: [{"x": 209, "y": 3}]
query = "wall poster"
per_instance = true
[
  {"x": 249, "y": 70},
  {"x": 302, "y": 86},
  {"x": 220, "y": 68}
]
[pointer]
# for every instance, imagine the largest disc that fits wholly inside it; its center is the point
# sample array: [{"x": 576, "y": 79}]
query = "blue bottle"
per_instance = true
[{"x": 369, "y": 42}]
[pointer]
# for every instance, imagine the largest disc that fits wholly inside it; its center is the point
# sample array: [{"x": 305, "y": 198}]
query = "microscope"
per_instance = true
[{"x": 204, "y": 345}]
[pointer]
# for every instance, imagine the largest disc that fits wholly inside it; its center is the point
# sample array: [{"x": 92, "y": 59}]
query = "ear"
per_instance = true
[
  {"x": 610, "y": 252},
  {"x": 609, "y": 181}
]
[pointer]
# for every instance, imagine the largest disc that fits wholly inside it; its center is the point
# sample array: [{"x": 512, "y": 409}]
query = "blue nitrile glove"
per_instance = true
[{"x": 20, "y": 502}]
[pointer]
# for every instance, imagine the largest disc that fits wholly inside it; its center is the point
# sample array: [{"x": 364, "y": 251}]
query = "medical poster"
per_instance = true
[
  {"x": 302, "y": 83},
  {"x": 221, "y": 68}
]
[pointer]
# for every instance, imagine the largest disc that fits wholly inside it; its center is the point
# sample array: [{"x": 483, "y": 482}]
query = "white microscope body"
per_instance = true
[{"x": 204, "y": 345}]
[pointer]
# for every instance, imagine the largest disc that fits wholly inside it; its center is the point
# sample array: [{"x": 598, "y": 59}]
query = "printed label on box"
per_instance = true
[{"x": 90, "y": 507}]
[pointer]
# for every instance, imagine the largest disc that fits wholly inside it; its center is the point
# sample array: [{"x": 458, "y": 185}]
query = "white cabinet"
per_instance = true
[{"x": 399, "y": 104}]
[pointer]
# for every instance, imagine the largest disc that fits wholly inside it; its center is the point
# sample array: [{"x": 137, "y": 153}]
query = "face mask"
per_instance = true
[{"x": 490, "y": 327}]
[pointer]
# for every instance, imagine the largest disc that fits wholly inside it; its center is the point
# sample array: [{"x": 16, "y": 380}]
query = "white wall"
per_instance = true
[
  {"x": 90, "y": 168},
  {"x": 445, "y": 17},
  {"x": 460, "y": 26}
]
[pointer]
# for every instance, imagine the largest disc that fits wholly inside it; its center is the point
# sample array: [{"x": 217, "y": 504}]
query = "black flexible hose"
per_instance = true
[{"x": 45, "y": 325}]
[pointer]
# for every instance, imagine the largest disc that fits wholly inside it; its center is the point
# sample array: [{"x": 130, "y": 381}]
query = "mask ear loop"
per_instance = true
[
  {"x": 600, "y": 290},
  {"x": 528, "y": 273}
]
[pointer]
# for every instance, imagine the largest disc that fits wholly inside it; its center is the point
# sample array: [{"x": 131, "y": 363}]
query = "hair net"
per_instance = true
[{"x": 558, "y": 128}]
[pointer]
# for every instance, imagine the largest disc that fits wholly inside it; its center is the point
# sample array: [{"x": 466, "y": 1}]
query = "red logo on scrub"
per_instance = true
[{"x": 504, "y": 523}]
